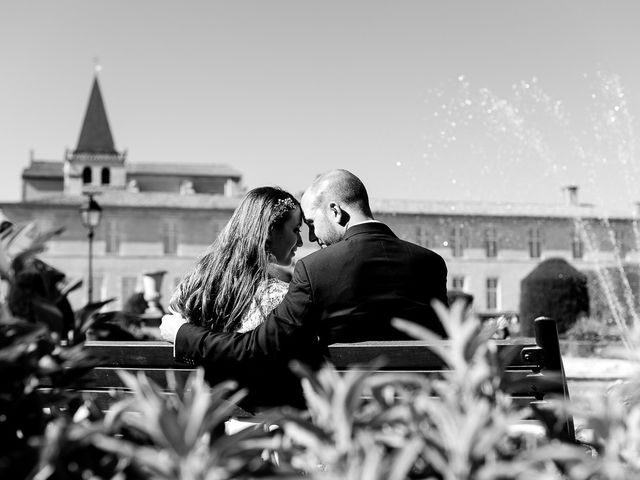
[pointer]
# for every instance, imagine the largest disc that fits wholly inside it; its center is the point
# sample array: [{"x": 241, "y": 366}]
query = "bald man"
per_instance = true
[{"x": 348, "y": 291}]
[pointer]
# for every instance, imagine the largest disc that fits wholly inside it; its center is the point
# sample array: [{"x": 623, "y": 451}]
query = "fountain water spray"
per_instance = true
[{"x": 532, "y": 132}]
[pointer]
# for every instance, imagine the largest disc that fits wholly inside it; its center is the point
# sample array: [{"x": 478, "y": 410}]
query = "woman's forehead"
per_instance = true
[{"x": 296, "y": 214}]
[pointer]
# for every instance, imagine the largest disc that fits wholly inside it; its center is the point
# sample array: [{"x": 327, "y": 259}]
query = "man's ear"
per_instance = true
[{"x": 340, "y": 216}]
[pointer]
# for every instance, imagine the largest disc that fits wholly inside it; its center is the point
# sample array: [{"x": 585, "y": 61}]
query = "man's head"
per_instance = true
[{"x": 334, "y": 201}]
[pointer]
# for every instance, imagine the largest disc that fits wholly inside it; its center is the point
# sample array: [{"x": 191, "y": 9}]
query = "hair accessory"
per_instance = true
[{"x": 282, "y": 206}]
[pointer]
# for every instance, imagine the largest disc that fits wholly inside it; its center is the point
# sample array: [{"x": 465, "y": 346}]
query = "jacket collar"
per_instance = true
[{"x": 368, "y": 227}]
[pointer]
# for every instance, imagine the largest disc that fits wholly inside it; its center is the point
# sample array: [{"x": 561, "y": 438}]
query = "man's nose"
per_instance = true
[{"x": 299, "y": 242}]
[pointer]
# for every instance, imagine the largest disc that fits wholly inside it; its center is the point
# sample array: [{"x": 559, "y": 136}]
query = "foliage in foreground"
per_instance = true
[
  {"x": 359, "y": 425},
  {"x": 41, "y": 355}
]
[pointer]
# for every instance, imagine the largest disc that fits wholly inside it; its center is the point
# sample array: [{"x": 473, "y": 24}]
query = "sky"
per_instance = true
[{"x": 492, "y": 100}]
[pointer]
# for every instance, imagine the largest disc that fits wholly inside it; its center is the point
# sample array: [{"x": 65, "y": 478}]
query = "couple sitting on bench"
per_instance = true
[{"x": 236, "y": 315}]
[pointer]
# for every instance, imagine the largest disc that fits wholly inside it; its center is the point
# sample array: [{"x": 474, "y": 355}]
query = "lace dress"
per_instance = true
[{"x": 268, "y": 296}]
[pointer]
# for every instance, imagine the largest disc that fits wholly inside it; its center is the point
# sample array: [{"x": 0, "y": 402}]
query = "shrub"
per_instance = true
[
  {"x": 35, "y": 366},
  {"x": 553, "y": 289}
]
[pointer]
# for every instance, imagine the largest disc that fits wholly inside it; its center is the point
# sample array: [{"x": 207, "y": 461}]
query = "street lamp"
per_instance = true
[{"x": 90, "y": 213}]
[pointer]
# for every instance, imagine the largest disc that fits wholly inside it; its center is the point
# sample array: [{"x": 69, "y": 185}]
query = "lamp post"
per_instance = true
[{"x": 90, "y": 213}]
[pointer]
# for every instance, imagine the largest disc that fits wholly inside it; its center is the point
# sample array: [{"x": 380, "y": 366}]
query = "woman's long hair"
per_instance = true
[{"x": 219, "y": 291}]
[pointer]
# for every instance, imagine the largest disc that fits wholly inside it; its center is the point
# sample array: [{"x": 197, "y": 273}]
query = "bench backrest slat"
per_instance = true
[
  {"x": 107, "y": 378},
  {"x": 397, "y": 355}
]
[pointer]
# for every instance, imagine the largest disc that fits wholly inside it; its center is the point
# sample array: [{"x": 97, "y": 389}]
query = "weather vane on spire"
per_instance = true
[{"x": 96, "y": 65}]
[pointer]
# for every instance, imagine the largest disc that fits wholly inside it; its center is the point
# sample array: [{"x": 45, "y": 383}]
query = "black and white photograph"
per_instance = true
[{"x": 339, "y": 239}]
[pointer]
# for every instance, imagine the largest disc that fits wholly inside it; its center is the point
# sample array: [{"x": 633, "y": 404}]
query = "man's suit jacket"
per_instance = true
[{"x": 346, "y": 292}]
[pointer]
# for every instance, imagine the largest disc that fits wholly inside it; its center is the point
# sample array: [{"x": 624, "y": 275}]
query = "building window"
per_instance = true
[
  {"x": 492, "y": 294},
  {"x": 458, "y": 283},
  {"x": 491, "y": 242},
  {"x": 170, "y": 238},
  {"x": 577, "y": 246},
  {"x": 457, "y": 241},
  {"x": 422, "y": 236},
  {"x": 87, "y": 176},
  {"x": 105, "y": 176},
  {"x": 535, "y": 242},
  {"x": 99, "y": 290},
  {"x": 112, "y": 237},
  {"x": 620, "y": 241}
]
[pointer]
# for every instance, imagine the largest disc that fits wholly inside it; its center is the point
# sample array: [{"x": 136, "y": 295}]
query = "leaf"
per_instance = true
[
  {"x": 83, "y": 320},
  {"x": 70, "y": 287},
  {"x": 405, "y": 459}
]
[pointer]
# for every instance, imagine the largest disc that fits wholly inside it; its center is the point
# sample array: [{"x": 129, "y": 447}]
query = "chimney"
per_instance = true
[{"x": 571, "y": 195}]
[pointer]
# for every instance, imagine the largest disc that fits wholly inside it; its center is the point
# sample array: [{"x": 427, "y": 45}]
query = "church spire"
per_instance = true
[
  {"x": 94, "y": 165},
  {"x": 95, "y": 136}
]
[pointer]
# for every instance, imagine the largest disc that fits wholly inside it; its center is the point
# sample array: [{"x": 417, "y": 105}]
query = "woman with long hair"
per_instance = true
[{"x": 234, "y": 286}]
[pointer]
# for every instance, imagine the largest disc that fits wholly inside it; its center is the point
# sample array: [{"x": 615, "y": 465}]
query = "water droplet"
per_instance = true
[{"x": 398, "y": 164}]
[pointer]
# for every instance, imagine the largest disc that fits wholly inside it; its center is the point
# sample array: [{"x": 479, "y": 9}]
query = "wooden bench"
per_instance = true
[{"x": 535, "y": 370}]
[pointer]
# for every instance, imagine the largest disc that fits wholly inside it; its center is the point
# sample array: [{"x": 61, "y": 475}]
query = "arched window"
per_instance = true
[
  {"x": 105, "y": 176},
  {"x": 86, "y": 175}
]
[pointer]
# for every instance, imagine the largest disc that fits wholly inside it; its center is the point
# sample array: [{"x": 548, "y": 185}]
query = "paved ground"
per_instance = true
[{"x": 579, "y": 368}]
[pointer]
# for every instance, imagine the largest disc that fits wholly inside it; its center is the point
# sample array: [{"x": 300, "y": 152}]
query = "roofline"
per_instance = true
[
  {"x": 46, "y": 205},
  {"x": 41, "y": 176},
  {"x": 73, "y": 202},
  {"x": 168, "y": 174}
]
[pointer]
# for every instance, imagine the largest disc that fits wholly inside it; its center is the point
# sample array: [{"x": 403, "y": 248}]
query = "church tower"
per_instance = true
[{"x": 95, "y": 164}]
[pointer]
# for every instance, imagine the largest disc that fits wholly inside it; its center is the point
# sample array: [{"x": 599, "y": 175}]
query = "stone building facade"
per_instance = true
[{"x": 490, "y": 248}]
